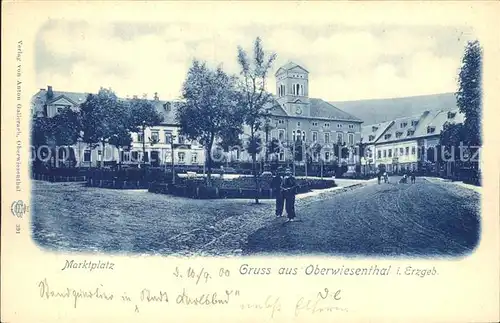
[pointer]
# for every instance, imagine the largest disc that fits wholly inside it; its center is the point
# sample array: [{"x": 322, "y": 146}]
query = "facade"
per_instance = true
[
  {"x": 296, "y": 116},
  {"x": 47, "y": 103},
  {"x": 400, "y": 144}
]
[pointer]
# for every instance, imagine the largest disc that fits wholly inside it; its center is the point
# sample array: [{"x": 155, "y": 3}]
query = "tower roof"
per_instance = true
[{"x": 288, "y": 66}]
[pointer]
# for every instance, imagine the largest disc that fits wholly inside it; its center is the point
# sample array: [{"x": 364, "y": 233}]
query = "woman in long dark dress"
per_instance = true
[
  {"x": 289, "y": 187},
  {"x": 278, "y": 194}
]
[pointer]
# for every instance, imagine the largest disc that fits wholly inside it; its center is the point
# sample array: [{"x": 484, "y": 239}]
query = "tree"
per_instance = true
[
  {"x": 121, "y": 138},
  {"x": 101, "y": 114},
  {"x": 40, "y": 132},
  {"x": 210, "y": 109},
  {"x": 65, "y": 130},
  {"x": 469, "y": 94},
  {"x": 143, "y": 114},
  {"x": 254, "y": 98}
]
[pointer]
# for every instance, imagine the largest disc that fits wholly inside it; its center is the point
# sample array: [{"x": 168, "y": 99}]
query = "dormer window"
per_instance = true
[
  {"x": 315, "y": 124},
  {"x": 410, "y": 133},
  {"x": 374, "y": 129},
  {"x": 387, "y": 136},
  {"x": 403, "y": 124},
  {"x": 414, "y": 123},
  {"x": 399, "y": 134},
  {"x": 431, "y": 129},
  {"x": 371, "y": 137},
  {"x": 327, "y": 125},
  {"x": 451, "y": 115}
]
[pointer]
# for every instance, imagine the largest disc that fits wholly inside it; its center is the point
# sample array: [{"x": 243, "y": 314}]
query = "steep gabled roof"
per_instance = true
[
  {"x": 323, "y": 109},
  {"x": 375, "y": 130},
  {"x": 381, "y": 110}
]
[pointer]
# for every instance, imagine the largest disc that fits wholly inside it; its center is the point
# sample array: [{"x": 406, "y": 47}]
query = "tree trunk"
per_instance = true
[
  {"x": 102, "y": 153},
  {"x": 254, "y": 170},
  {"x": 144, "y": 147},
  {"x": 209, "y": 161}
]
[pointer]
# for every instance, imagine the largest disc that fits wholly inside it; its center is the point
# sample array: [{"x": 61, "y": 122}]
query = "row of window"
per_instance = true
[
  {"x": 301, "y": 135},
  {"x": 297, "y": 90},
  {"x": 401, "y": 152},
  {"x": 315, "y": 124},
  {"x": 127, "y": 156},
  {"x": 155, "y": 137}
]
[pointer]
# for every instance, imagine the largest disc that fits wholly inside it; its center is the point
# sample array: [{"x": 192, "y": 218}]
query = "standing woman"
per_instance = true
[
  {"x": 289, "y": 187},
  {"x": 278, "y": 194}
]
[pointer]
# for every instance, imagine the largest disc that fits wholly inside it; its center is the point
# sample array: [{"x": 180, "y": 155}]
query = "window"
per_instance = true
[
  {"x": 282, "y": 90},
  {"x": 350, "y": 139},
  {"x": 351, "y": 126},
  {"x": 410, "y": 133},
  {"x": 194, "y": 158},
  {"x": 339, "y": 125},
  {"x": 414, "y": 123},
  {"x": 327, "y": 125},
  {"x": 395, "y": 152},
  {"x": 403, "y": 124},
  {"x": 59, "y": 109},
  {"x": 146, "y": 156},
  {"x": 390, "y": 152},
  {"x": 293, "y": 135},
  {"x": 168, "y": 137},
  {"x": 180, "y": 156},
  {"x": 315, "y": 124},
  {"x": 314, "y": 136},
  {"x": 340, "y": 137},
  {"x": 327, "y": 156},
  {"x": 238, "y": 154},
  {"x": 304, "y": 136},
  {"x": 298, "y": 123},
  {"x": 281, "y": 134},
  {"x": 370, "y": 138},
  {"x": 182, "y": 140},
  {"x": 327, "y": 138},
  {"x": 385, "y": 153},
  {"x": 431, "y": 129},
  {"x": 407, "y": 151},
  {"x": 387, "y": 136},
  {"x": 399, "y": 134},
  {"x": 125, "y": 156},
  {"x": 135, "y": 155},
  {"x": 379, "y": 154},
  {"x": 87, "y": 155},
  {"x": 281, "y": 121},
  {"x": 155, "y": 137},
  {"x": 282, "y": 155},
  {"x": 451, "y": 115},
  {"x": 401, "y": 151},
  {"x": 140, "y": 137},
  {"x": 413, "y": 150},
  {"x": 374, "y": 129}
]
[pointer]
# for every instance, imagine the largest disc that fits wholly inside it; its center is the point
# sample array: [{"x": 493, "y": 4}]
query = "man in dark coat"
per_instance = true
[
  {"x": 278, "y": 194},
  {"x": 289, "y": 187}
]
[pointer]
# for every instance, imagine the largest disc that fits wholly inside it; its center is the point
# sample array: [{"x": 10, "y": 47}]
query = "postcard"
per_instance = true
[{"x": 250, "y": 161}]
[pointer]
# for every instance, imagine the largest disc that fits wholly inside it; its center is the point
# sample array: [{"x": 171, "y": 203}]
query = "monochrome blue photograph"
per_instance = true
[{"x": 282, "y": 140}]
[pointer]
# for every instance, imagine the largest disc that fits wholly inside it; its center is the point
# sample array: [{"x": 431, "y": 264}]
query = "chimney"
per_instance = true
[
  {"x": 156, "y": 96},
  {"x": 50, "y": 93}
]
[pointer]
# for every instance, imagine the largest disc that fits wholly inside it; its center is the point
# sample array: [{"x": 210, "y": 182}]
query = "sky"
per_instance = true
[{"x": 345, "y": 62}]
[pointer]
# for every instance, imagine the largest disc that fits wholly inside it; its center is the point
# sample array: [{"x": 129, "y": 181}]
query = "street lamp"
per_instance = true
[{"x": 143, "y": 144}]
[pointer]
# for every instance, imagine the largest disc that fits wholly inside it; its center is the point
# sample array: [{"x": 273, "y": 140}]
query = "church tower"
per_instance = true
[{"x": 292, "y": 89}]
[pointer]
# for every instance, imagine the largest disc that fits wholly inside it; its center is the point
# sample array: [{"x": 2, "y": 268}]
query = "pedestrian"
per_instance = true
[
  {"x": 379, "y": 175},
  {"x": 278, "y": 194},
  {"x": 289, "y": 187},
  {"x": 413, "y": 177}
]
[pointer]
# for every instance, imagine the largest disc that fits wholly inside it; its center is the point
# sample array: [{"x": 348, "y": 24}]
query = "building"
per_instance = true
[
  {"x": 156, "y": 140},
  {"x": 402, "y": 144},
  {"x": 296, "y": 116}
]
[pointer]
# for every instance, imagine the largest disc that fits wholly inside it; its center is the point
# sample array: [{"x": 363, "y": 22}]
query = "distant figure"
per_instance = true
[
  {"x": 413, "y": 177},
  {"x": 278, "y": 194},
  {"x": 386, "y": 177},
  {"x": 404, "y": 179},
  {"x": 221, "y": 171},
  {"x": 289, "y": 187},
  {"x": 379, "y": 176}
]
